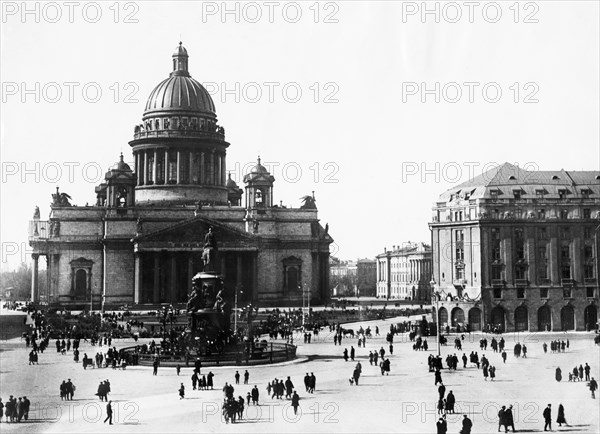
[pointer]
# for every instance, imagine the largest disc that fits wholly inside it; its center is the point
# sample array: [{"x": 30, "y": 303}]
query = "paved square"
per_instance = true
[{"x": 405, "y": 401}]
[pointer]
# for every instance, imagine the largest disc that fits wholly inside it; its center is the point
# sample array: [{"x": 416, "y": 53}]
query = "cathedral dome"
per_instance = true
[{"x": 180, "y": 92}]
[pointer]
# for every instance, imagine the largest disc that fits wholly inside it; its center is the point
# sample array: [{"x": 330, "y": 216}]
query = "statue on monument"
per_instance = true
[
  {"x": 36, "y": 213},
  {"x": 209, "y": 255}
]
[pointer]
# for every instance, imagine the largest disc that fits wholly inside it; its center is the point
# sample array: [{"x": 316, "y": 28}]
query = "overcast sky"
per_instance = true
[{"x": 345, "y": 106}]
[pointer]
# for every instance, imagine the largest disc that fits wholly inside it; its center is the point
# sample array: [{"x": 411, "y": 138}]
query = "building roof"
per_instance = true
[{"x": 507, "y": 178}]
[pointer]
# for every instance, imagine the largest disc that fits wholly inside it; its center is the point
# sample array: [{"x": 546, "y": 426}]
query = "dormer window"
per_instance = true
[
  {"x": 517, "y": 194},
  {"x": 562, "y": 194},
  {"x": 494, "y": 194},
  {"x": 539, "y": 194},
  {"x": 555, "y": 178},
  {"x": 585, "y": 193},
  {"x": 512, "y": 178}
]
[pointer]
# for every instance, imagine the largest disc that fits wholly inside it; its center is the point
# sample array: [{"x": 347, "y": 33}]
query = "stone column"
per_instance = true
[
  {"x": 156, "y": 283},
  {"x": 218, "y": 170},
  {"x": 173, "y": 279},
  {"x": 166, "y": 163},
  {"x": 202, "y": 170},
  {"x": 35, "y": 295},
  {"x": 179, "y": 161},
  {"x": 191, "y": 169},
  {"x": 254, "y": 288},
  {"x": 138, "y": 278},
  {"x": 154, "y": 166},
  {"x": 211, "y": 175},
  {"x": 223, "y": 170},
  {"x": 145, "y": 169}
]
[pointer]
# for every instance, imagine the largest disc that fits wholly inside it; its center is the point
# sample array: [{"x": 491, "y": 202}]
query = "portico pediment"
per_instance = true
[{"x": 190, "y": 234}]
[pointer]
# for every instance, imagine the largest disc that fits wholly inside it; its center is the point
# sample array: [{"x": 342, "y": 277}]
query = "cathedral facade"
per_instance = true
[{"x": 142, "y": 241}]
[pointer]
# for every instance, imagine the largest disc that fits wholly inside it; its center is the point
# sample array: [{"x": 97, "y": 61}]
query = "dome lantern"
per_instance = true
[{"x": 180, "y": 61}]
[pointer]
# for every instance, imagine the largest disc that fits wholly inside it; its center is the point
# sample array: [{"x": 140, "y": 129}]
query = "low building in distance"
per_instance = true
[{"x": 404, "y": 272}]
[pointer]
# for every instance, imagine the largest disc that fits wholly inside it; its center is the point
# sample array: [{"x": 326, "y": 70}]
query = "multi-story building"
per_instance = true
[
  {"x": 343, "y": 277},
  {"x": 366, "y": 277},
  {"x": 518, "y": 250},
  {"x": 143, "y": 240},
  {"x": 404, "y": 272}
]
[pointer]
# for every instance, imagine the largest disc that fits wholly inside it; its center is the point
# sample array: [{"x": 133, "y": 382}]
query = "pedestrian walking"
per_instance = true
[
  {"x": 560, "y": 418},
  {"x": 109, "y": 413},
  {"x": 547, "y": 418},
  {"x": 295, "y": 402},
  {"x": 467, "y": 425},
  {"x": 181, "y": 391},
  {"x": 593, "y": 387}
]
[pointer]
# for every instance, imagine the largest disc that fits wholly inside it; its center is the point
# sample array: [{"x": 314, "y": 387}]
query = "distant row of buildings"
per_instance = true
[
  {"x": 352, "y": 278},
  {"x": 404, "y": 272}
]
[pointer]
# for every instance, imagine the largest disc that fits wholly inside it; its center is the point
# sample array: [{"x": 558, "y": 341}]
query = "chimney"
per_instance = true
[{"x": 384, "y": 250}]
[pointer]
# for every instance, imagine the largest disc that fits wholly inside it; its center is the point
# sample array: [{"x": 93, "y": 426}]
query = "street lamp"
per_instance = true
[
  {"x": 235, "y": 317},
  {"x": 437, "y": 314}
]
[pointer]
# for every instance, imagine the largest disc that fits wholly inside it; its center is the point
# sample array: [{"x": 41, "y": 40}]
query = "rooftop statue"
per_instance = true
[{"x": 60, "y": 199}]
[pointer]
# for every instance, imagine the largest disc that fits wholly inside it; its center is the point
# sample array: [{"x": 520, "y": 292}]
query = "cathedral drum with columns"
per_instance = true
[{"x": 143, "y": 240}]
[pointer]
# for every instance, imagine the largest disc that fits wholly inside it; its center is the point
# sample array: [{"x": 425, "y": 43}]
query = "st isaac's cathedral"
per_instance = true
[{"x": 143, "y": 240}]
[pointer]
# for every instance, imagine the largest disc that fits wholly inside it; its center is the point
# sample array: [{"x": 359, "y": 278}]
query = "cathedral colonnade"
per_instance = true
[
  {"x": 165, "y": 276},
  {"x": 164, "y": 165}
]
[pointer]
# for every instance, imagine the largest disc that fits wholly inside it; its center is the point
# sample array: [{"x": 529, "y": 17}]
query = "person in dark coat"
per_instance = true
[
  {"x": 593, "y": 386},
  {"x": 547, "y": 418},
  {"x": 560, "y": 419},
  {"x": 450, "y": 400},
  {"x": 289, "y": 386},
  {"x": 438, "y": 377},
  {"x": 508, "y": 419},
  {"x": 346, "y": 354},
  {"x": 209, "y": 380},
  {"x": 356, "y": 376},
  {"x": 295, "y": 402},
  {"x": 442, "y": 426},
  {"x": 254, "y": 393},
  {"x": 442, "y": 391},
  {"x": 558, "y": 375},
  {"x": 467, "y": 425},
  {"x": 181, "y": 391},
  {"x": 352, "y": 353},
  {"x": 109, "y": 413},
  {"x": 502, "y": 419}
]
